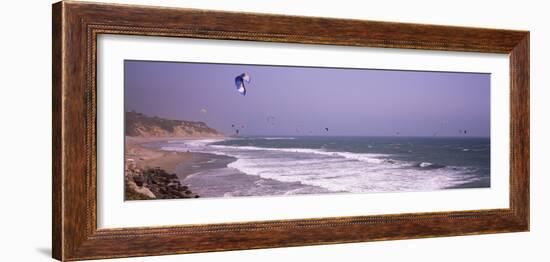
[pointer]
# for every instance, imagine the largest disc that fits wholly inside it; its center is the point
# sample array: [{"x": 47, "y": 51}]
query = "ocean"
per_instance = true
[{"x": 261, "y": 166}]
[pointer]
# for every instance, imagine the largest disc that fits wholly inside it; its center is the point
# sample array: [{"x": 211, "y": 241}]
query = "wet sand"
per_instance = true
[
  {"x": 149, "y": 157},
  {"x": 151, "y": 173},
  {"x": 208, "y": 175}
]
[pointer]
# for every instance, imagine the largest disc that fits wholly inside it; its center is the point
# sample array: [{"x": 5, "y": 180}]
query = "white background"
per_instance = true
[{"x": 25, "y": 84}]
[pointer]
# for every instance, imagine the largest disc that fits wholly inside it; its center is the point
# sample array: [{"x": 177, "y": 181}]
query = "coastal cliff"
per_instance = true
[{"x": 140, "y": 125}]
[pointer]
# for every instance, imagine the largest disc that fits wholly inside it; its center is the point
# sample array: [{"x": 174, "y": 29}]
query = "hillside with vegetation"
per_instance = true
[{"x": 140, "y": 125}]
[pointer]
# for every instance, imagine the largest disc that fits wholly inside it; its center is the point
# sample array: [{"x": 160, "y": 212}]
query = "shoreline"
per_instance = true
[
  {"x": 209, "y": 175},
  {"x": 151, "y": 173},
  {"x": 244, "y": 172},
  {"x": 152, "y": 157}
]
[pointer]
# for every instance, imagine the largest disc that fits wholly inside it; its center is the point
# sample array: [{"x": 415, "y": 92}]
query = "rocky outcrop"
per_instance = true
[
  {"x": 140, "y": 125},
  {"x": 163, "y": 185},
  {"x": 153, "y": 183}
]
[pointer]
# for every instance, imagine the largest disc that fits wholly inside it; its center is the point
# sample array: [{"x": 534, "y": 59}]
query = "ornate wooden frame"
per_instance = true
[{"x": 76, "y": 26}]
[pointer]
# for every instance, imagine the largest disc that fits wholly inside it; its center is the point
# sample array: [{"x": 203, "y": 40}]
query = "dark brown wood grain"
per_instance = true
[
  {"x": 519, "y": 129},
  {"x": 57, "y": 199},
  {"x": 75, "y": 29}
]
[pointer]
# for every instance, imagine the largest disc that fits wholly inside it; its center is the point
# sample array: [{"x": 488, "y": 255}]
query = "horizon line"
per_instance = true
[{"x": 393, "y": 136}]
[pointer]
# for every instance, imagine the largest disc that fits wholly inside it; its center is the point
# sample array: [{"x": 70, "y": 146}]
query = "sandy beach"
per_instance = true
[
  {"x": 149, "y": 157},
  {"x": 151, "y": 173}
]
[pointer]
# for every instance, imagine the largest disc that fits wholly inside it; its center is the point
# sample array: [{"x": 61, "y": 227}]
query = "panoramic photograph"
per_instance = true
[{"x": 208, "y": 130}]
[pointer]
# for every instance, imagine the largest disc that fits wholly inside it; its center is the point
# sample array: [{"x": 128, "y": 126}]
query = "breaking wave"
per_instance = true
[{"x": 337, "y": 171}]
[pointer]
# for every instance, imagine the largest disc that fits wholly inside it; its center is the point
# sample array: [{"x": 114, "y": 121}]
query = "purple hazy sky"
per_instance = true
[{"x": 304, "y": 100}]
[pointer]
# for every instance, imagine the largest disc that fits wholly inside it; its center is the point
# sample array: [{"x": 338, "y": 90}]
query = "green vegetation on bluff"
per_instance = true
[{"x": 140, "y": 125}]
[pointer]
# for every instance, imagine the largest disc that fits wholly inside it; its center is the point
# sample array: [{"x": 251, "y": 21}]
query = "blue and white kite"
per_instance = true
[{"x": 239, "y": 83}]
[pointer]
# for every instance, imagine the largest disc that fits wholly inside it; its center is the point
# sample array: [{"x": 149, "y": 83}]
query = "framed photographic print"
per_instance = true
[{"x": 182, "y": 130}]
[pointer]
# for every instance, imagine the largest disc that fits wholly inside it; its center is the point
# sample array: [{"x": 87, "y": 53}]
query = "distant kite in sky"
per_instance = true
[
  {"x": 204, "y": 111},
  {"x": 270, "y": 120},
  {"x": 441, "y": 127},
  {"x": 326, "y": 128},
  {"x": 239, "y": 83}
]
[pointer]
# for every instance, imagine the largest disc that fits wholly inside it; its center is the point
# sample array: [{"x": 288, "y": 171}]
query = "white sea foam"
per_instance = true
[
  {"x": 371, "y": 158},
  {"x": 347, "y": 177},
  {"x": 425, "y": 164},
  {"x": 334, "y": 171}
]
